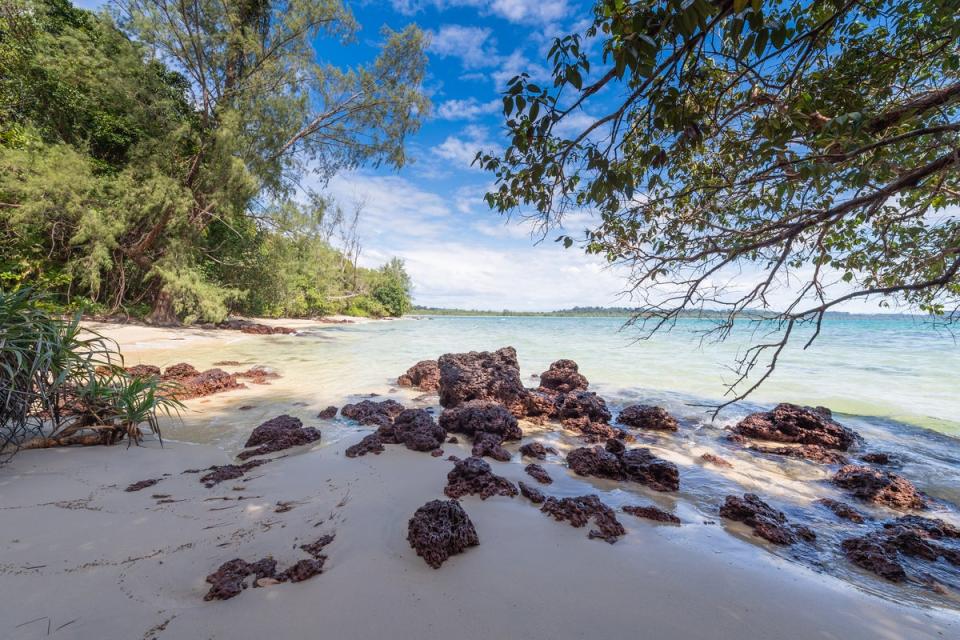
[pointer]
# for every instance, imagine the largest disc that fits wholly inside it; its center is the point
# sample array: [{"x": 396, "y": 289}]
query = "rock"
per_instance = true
[
  {"x": 453, "y": 440},
  {"x": 933, "y": 527},
  {"x": 316, "y": 547},
  {"x": 538, "y": 473},
  {"x": 473, "y": 476},
  {"x": 563, "y": 376},
  {"x": 220, "y": 473},
  {"x": 258, "y": 375},
  {"x": 370, "y": 444},
  {"x": 230, "y": 578},
  {"x": 143, "y": 371},
  {"x": 591, "y": 431},
  {"x": 436, "y": 453},
  {"x": 440, "y": 529},
  {"x": 842, "y": 510},
  {"x": 876, "y": 458},
  {"x": 583, "y": 404},
  {"x": 541, "y": 404},
  {"x": 490, "y": 444},
  {"x": 536, "y": 450},
  {"x": 484, "y": 375},
  {"x": 870, "y": 553},
  {"x": 578, "y": 511},
  {"x": 328, "y": 413},
  {"x": 416, "y": 430},
  {"x": 481, "y": 415},
  {"x": 425, "y": 375},
  {"x": 256, "y": 328},
  {"x": 651, "y": 513},
  {"x": 532, "y": 494},
  {"x": 303, "y": 570},
  {"x": 642, "y": 416},
  {"x": 179, "y": 371},
  {"x": 800, "y": 425},
  {"x": 618, "y": 463},
  {"x": 717, "y": 460},
  {"x": 369, "y": 412},
  {"x": 142, "y": 484},
  {"x": 879, "y": 487},
  {"x": 278, "y": 434},
  {"x": 811, "y": 452},
  {"x": 766, "y": 522}
]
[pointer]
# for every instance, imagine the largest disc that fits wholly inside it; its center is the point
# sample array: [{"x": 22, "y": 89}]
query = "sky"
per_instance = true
[{"x": 431, "y": 213}]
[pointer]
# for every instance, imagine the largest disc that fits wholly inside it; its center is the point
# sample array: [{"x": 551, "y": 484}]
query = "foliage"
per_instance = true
[
  {"x": 812, "y": 145},
  {"x": 62, "y": 384},
  {"x": 135, "y": 173}
]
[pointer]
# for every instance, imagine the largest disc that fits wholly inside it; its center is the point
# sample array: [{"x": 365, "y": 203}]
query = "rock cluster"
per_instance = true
[
  {"x": 482, "y": 375},
  {"x": 425, "y": 376},
  {"x": 413, "y": 428},
  {"x": 766, "y": 522},
  {"x": 618, "y": 463},
  {"x": 914, "y": 536},
  {"x": 257, "y": 328},
  {"x": 473, "y": 476},
  {"x": 369, "y": 412},
  {"x": 489, "y": 423},
  {"x": 579, "y": 510},
  {"x": 800, "y": 425},
  {"x": 231, "y": 577},
  {"x": 642, "y": 416},
  {"x": 440, "y": 529},
  {"x": 651, "y": 512},
  {"x": 278, "y": 434},
  {"x": 879, "y": 487},
  {"x": 842, "y": 510}
]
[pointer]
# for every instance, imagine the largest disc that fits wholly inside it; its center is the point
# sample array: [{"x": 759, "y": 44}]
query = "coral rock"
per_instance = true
[
  {"x": 370, "y": 412},
  {"x": 651, "y": 513},
  {"x": 481, "y": 415},
  {"x": 532, "y": 494},
  {"x": 425, "y": 375},
  {"x": 416, "y": 430},
  {"x": 800, "y": 425},
  {"x": 578, "y": 511},
  {"x": 563, "y": 376},
  {"x": 473, "y": 476},
  {"x": 880, "y": 487},
  {"x": 717, "y": 460},
  {"x": 618, "y": 463},
  {"x": 538, "y": 473},
  {"x": 842, "y": 510},
  {"x": 328, "y": 413},
  {"x": 483, "y": 375},
  {"x": 370, "y": 444},
  {"x": 642, "y": 416},
  {"x": 491, "y": 445},
  {"x": 766, "y": 522},
  {"x": 278, "y": 434},
  {"x": 536, "y": 450},
  {"x": 440, "y": 529},
  {"x": 811, "y": 452}
]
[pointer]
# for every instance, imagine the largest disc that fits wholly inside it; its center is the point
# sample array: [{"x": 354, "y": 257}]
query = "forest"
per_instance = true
[{"x": 153, "y": 160}]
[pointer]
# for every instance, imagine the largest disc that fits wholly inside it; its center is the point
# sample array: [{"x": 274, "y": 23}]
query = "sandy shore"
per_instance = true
[{"x": 82, "y": 558}]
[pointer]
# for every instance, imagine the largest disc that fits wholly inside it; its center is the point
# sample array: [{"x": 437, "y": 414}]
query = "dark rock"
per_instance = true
[
  {"x": 258, "y": 375},
  {"x": 179, "y": 371},
  {"x": 220, "y": 473},
  {"x": 651, "y": 513},
  {"x": 532, "y": 494},
  {"x": 932, "y": 527},
  {"x": 228, "y": 363},
  {"x": 440, "y": 529},
  {"x": 142, "y": 484},
  {"x": 717, "y": 460},
  {"x": 538, "y": 473},
  {"x": 425, "y": 375},
  {"x": 484, "y": 375},
  {"x": 876, "y": 458},
  {"x": 370, "y": 412},
  {"x": 799, "y": 425},
  {"x": 637, "y": 465},
  {"x": 591, "y": 431},
  {"x": 328, "y": 413},
  {"x": 563, "y": 376},
  {"x": 303, "y": 570},
  {"x": 481, "y": 415},
  {"x": 316, "y": 547},
  {"x": 880, "y": 487},
  {"x": 474, "y": 476},
  {"x": 766, "y": 522},
  {"x": 583, "y": 404},
  {"x": 842, "y": 510},
  {"x": 453, "y": 440},
  {"x": 541, "y": 404},
  {"x": 870, "y": 553},
  {"x": 536, "y": 450},
  {"x": 230, "y": 578},
  {"x": 370, "y": 444},
  {"x": 416, "y": 430},
  {"x": 642, "y": 416},
  {"x": 811, "y": 452},
  {"x": 278, "y": 434},
  {"x": 490, "y": 444},
  {"x": 436, "y": 453},
  {"x": 578, "y": 511},
  {"x": 255, "y": 328}
]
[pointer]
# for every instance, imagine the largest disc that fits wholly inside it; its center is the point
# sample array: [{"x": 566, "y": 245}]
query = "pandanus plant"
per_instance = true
[{"x": 62, "y": 383}]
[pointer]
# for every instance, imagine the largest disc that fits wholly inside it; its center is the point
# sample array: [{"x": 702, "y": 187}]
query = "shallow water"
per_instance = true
[{"x": 892, "y": 379}]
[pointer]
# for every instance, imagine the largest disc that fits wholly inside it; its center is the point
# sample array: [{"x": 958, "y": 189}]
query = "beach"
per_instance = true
[{"x": 84, "y": 558}]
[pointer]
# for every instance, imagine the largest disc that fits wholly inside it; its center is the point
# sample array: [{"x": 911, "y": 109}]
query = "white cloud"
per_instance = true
[
  {"x": 469, "y": 109},
  {"x": 462, "y": 149},
  {"x": 472, "y": 45},
  {"x": 515, "y": 64},
  {"x": 515, "y": 11}
]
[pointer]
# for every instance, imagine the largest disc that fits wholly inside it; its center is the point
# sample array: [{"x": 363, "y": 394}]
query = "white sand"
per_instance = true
[{"x": 84, "y": 559}]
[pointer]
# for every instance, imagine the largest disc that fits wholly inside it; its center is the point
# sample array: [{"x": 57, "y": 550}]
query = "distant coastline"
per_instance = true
[{"x": 622, "y": 312}]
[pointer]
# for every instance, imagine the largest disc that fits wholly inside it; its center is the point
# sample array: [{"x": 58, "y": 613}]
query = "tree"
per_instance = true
[{"x": 814, "y": 144}]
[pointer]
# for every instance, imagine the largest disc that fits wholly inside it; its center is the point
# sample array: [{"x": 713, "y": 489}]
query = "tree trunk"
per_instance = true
[{"x": 163, "y": 313}]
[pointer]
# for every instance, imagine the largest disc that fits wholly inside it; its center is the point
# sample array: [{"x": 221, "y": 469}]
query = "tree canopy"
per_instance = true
[
  {"x": 157, "y": 157},
  {"x": 734, "y": 151}
]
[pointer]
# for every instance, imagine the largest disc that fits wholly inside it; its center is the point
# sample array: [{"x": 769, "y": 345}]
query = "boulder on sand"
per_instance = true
[
  {"x": 440, "y": 529},
  {"x": 615, "y": 462},
  {"x": 879, "y": 551},
  {"x": 416, "y": 430},
  {"x": 369, "y": 412},
  {"x": 473, "y": 476},
  {"x": 278, "y": 434},
  {"x": 425, "y": 376},
  {"x": 800, "y": 425},
  {"x": 579, "y": 510},
  {"x": 766, "y": 522},
  {"x": 643, "y": 416},
  {"x": 474, "y": 416},
  {"x": 536, "y": 450},
  {"x": 482, "y": 375}
]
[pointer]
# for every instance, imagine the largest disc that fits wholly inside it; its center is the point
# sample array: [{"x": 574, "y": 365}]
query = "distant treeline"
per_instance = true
[{"x": 574, "y": 312}]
